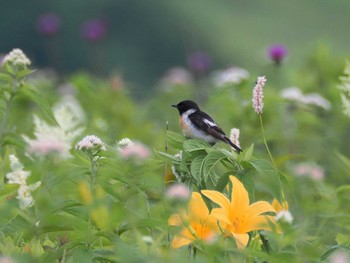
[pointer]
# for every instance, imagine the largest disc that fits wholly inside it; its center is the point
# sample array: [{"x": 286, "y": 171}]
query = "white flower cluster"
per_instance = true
[
  {"x": 258, "y": 95},
  {"x": 234, "y": 136},
  {"x": 345, "y": 88},
  {"x": 231, "y": 75},
  {"x": 125, "y": 142},
  {"x": 17, "y": 58},
  {"x": 19, "y": 176},
  {"x": 90, "y": 142},
  {"x": 295, "y": 94},
  {"x": 57, "y": 139}
]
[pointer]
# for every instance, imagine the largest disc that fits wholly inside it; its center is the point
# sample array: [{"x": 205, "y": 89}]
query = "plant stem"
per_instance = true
[
  {"x": 92, "y": 182},
  {"x": 265, "y": 243},
  {"x": 265, "y": 142},
  {"x": 5, "y": 117},
  {"x": 271, "y": 158}
]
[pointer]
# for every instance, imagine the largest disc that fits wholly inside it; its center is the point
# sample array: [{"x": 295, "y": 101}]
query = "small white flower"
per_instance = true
[
  {"x": 19, "y": 176},
  {"x": 89, "y": 142},
  {"x": 292, "y": 93},
  {"x": 177, "y": 76},
  {"x": 317, "y": 100},
  {"x": 234, "y": 136},
  {"x": 147, "y": 239},
  {"x": 295, "y": 94},
  {"x": 285, "y": 216},
  {"x": 178, "y": 155},
  {"x": 125, "y": 142},
  {"x": 15, "y": 163},
  {"x": 177, "y": 176},
  {"x": 57, "y": 138},
  {"x": 258, "y": 95},
  {"x": 232, "y": 75},
  {"x": 17, "y": 58}
]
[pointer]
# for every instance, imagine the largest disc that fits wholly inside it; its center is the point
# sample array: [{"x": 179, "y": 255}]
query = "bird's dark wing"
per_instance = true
[{"x": 205, "y": 123}]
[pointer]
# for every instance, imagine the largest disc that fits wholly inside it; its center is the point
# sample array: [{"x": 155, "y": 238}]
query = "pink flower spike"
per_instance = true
[{"x": 258, "y": 95}]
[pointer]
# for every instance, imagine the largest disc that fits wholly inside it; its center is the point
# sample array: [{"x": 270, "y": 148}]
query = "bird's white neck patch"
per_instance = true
[{"x": 188, "y": 112}]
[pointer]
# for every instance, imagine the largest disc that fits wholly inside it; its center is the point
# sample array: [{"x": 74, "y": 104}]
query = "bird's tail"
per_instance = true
[{"x": 234, "y": 146}]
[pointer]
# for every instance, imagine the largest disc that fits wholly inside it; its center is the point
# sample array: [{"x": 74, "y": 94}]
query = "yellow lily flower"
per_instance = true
[
  {"x": 238, "y": 217},
  {"x": 197, "y": 222},
  {"x": 278, "y": 206}
]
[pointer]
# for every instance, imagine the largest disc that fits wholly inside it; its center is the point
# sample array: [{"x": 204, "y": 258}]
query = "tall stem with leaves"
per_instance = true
[
  {"x": 12, "y": 76},
  {"x": 258, "y": 105},
  {"x": 92, "y": 147}
]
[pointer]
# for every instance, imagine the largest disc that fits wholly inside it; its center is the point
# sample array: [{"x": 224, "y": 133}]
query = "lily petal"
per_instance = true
[
  {"x": 259, "y": 208},
  {"x": 197, "y": 207},
  {"x": 175, "y": 220},
  {"x": 182, "y": 239},
  {"x": 259, "y": 223},
  {"x": 241, "y": 240},
  {"x": 239, "y": 198},
  {"x": 218, "y": 198},
  {"x": 221, "y": 215}
]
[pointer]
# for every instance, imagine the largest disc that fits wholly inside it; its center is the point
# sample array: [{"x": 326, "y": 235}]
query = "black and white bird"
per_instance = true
[{"x": 197, "y": 124}]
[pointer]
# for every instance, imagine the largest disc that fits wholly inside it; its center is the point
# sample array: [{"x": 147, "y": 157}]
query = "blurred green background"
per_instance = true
[{"x": 142, "y": 39}]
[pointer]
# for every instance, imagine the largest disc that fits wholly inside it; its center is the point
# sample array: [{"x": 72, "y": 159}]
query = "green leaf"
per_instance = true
[
  {"x": 142, "y": 223},
  {"x": 195, "y": 145},
  {"x": 168, "y": 157},
  {"x": 9, "y": 191},
  {"x": 344, "y": 159},
  {"x": 213, "y": 159},
  {"x": 343, "y": 188},
  {"x": 246, "y": 155},
  {"x": 8, "y": 68},
  {"x": 222, "y": 182},
  {"x": 175, "y": 140},
  {"x": 5, "y": 77},
  {"x": 32, "y": 93},
  {"x": 263, "y": 167},
  {"x": 196, "y": 168},
  {"x": 24, "y": 73},
  {"x": 248, "y": 183}
]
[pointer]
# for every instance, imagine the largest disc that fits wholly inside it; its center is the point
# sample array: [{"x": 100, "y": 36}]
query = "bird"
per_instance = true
[{"x": 197, "y": 124}]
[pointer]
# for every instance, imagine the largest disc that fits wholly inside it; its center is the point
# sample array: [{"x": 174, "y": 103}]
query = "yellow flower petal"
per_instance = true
[
  {"x": 182, "y": 239},
  {"x": 259, "y": 208},
  {"x": 278, "y": 206},
  {"x": 221, "y": 215},
  {"x": 218, "y": 198},
  {"x": 239, "y": 198},
  {"x": 175, "y": 220},
  {"x": 197, "y": 207},
  {"x": 259, "y": 223},
  {"x": 241, "y": 240}
]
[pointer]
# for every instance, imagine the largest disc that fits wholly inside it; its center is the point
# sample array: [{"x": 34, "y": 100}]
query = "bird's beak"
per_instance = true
[{"x": 175, "y": 106}]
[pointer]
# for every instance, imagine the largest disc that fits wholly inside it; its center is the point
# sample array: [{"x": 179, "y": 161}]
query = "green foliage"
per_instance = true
[{"x": 109, "y": 205}]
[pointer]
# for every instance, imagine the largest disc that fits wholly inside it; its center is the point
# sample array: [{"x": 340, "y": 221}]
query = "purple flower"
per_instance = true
[
  {"x": 48, "y": 24},
  {"x": 199, "y": 62},
  {"x": 277, "y": 53},
  {"x": 94, "y": 30}
]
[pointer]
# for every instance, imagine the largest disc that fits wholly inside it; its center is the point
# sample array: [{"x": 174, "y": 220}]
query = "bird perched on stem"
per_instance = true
[{"x": 197, "y": 124}]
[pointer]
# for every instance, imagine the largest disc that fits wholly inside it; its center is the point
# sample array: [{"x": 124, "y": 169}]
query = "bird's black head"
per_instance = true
[{"x": 186, "y": 105}]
